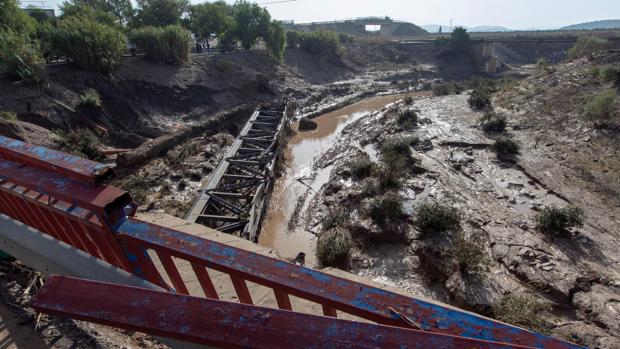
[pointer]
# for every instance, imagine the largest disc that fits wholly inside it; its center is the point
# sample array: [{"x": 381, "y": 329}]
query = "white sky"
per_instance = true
[{"x": 514, "y": 14}]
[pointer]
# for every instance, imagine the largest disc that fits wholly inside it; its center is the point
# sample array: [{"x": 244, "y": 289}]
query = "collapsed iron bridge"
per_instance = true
[{"x": 235, "y": 197}]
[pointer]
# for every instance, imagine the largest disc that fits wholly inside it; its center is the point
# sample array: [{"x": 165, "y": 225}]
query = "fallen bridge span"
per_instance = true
[{"x": 235, "y": 197}]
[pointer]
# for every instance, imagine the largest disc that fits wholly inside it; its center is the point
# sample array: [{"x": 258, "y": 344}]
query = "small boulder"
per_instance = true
[{"x": 306, "y": 124}]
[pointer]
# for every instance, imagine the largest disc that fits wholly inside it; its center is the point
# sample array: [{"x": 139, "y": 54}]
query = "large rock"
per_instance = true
[{"x": 306, "y": 124}]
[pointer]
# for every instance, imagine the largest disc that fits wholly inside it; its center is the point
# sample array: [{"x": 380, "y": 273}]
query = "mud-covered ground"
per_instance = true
[{"x": 563, "y": 160}]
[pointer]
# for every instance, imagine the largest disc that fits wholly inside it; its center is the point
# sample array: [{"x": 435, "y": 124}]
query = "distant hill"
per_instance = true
[
  {"x": 434, "y": 28},
  {"x": 604, "y": 24}
]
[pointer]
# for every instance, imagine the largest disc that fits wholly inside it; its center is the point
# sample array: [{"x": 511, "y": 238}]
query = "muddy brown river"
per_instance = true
[{"x": 301, "y": 179}]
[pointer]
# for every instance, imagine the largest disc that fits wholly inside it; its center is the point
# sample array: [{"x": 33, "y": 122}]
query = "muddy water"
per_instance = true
[{"x": 301, "y": 180}]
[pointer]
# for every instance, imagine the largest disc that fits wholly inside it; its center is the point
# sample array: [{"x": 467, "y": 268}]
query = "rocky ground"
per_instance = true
[{"x": 563, "y": 160}]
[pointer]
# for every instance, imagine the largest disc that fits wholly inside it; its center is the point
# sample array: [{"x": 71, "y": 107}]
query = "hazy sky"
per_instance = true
[{"x": 515, "y": 14}]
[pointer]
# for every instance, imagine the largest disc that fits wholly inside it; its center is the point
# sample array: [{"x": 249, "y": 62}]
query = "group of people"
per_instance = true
[{"x": 200, "y": 47}]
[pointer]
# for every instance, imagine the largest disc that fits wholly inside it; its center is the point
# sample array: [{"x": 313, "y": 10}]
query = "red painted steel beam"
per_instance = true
[
  {"x": 332, "y": 292},
  {"x": 97, "y": 197},
  {"x": 225, "y": 324},
  {"x": 53, "y": 160}
]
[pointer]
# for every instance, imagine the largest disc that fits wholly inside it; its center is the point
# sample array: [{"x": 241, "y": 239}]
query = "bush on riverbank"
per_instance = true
[
  {"x": 435, "y": 217},
  {"x": 170, "y": 44},
  {"x": 555, "y": 220},
  {"x": 333, "y": 248}
]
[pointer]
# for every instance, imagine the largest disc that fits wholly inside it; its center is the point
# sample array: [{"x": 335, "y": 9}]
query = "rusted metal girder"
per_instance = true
[
  {"x": 333, "y": 293},
  {"x": 53, "y": 161},
  {"x": 234, "y": 198},
  {"x": 224, "y": 324},
  {"x": 78, "y": 213}
]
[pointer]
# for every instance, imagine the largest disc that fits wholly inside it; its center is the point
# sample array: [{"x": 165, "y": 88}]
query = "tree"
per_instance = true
[
  {"x": 440, "y": 29},
  {"x": 250, "y": 22},
  {"x": 87, "y": 10},
  {"x": 160, "y": 13},
  {"x": 13, "y": 18},
  {"x": 460, "y": 41},
  {"x": 210, "y": 18},
  {"x": 276, "y": 40}
]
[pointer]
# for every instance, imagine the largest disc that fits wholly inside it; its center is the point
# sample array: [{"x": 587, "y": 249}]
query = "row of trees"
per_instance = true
[{"x": 94, "y": 33}]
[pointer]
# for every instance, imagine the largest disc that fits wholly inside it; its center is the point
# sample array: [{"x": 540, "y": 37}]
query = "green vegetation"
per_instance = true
[
  {"x": 210, "y": 18},
  {"x": 90, "y": 99},
  {"x": 81, "y": 142},
  {"x": 333, "y": 248},
  {"x": 386, "y": 208},
  {"x": 435, "y": 217},
  {"x": 480, "y": 98},
  {"x": 408, "y": 119},
  {"x": 333, "y": 220},
  {"x": 8, "y": 115},
  {"x": 293, "y": 38},
  {"x": 362, "y": 167},
  {"x": 523, "y": 310},
  {"x": 320, "y": 42},
  {"x": 505, "y": 146},
  {"x": 370, "y": 187},
  {"x": 160, "y": 13},
  {"x": 20, "y": 58},
  {"x": 586, "y": 46},
  {"x": 469, "y": 254},
  {"x": 493, "y": 122},
  {"x": 93, "y": 46},
  {"x": 600, "y": 107},
  {"x": 441, "y": 89},
  {"x": 408, "y": 100},
  {"x": 344, "y": 38},
  {"x": 542, "y": 66},
  {"x": 610, "y": 73},
  {"x": 555, "y": 220},
  {"x": 459, "y": 42},
  {"x": 170, "y": 44}
]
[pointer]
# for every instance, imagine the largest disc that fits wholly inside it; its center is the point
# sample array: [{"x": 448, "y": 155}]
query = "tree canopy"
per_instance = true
[
  {"x": 160, "y": 13},
  {"x": 210, "y": 18}
]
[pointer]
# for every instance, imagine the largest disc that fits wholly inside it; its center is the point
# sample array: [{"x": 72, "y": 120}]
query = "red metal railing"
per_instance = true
[
  {"x": 331, "y": 292},
  {"x": 72, "y": 209},
  {"x": 227, "y": 325}
]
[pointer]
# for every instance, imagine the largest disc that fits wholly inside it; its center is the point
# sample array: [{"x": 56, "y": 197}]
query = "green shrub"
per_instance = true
[
  {"x": 600, "y": 107},
  {"x": 469, "y": 254},
  {"x": 333, "y": 220},
  {"x": 320, "y": 42},
  {"x": 81, "y": 142},
  {"x": 370, "y": 187},
  {"x": 492, "y": 121},
  {"x": 435, "y": 217},
  {"x": 441, "y": 89},
  {"x": 20, "y": 57},
  {"x": 8, "y": 115},
  {"x": 456, "y": 88},
  {"x": 555, "y": 220},
  {"x": 542, "y": 66},
  {"x": 344, "y": 38},
  {"x": 609, "y": 73},
  {"x": 333, "y": 248},
  {"x": 480, "y": 98},
  {"x": 170, "y": 44},
  {"x": 586, "y": 46},
  {"x": 362, "y": 167},
  {"x": 276, "y": 40},
  {"x": 293, "y": 38},
  {"x": 90, "y": 99},
  {"x": 408, "y": 100},
  {"x": 386, "y": 208},
  {"x": 396, "y": 147},
  {"x": 522, "y": 310},
  {"x": 505, "y": 146},
  {"x": 408, "y": 119},
  {"x": 93, "y": 46}
]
